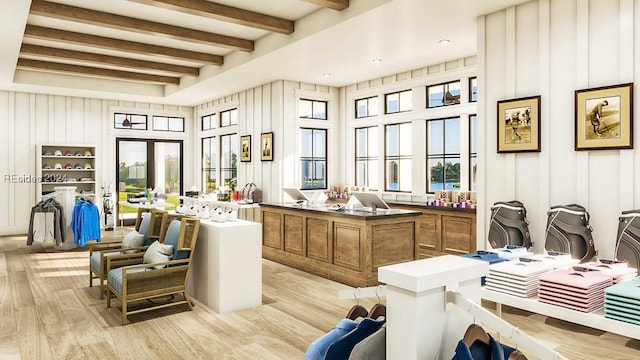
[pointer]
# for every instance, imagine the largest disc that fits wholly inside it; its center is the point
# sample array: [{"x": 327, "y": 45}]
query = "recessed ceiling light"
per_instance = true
[
  {"x": 444, "y": 41},
  {"x": 376, "y": 60},
  {"x": 326, "y": 75}
]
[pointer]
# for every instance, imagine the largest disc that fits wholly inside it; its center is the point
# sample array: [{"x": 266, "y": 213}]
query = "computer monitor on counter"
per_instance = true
[
  {"x": 296, "y": 195},
  {"x": 369, "y": 201}
]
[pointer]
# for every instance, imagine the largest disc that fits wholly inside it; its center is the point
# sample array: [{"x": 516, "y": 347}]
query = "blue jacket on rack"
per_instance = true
[{"x": 85, "y": 222}]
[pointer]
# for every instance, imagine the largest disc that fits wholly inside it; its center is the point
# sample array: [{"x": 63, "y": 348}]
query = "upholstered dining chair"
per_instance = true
[
  {"x": 148, "y": 225},
  {"x": 154, "y": 278}
]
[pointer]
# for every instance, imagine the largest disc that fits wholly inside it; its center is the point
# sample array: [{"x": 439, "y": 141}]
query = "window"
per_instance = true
[
  {"x": 398, "y": 102},
  {"x": 443, "y": 154},
  {"x": 313, "y": 109},
  {"x": 209, "y": 122},
  {"x": 367, "y": 107},
  {"x": 473, "y": 152},
  {"x": 228, "y": 151},
  {"x": 398, "y": 157},
  {"x": 129, "y": 121},
  {"x": 443, "y": 94},
  {"x": 229, "y": 117},
  {"x": 367, "y": 157},
  {"x": 209, "y": 163},
  {"x": 168, "y": 123},
  {"x": 313, "y": 158},
  {"x": 473, "y": 89}
]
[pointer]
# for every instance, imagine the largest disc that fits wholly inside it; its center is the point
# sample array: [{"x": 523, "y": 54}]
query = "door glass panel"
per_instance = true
[
  {"x": 167, "y": 170},
  {"x": 132, "y": 172}
]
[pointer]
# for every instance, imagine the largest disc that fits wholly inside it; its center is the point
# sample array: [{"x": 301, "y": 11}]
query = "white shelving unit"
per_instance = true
[
  {"x": 50, "y": 177},
  {"x": 594, "y": 319}
]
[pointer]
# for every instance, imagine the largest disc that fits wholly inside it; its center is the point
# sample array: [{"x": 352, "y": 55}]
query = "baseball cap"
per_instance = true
[
  {"x": 68, "y": 166},
  {"x": 47, "y": 153},
  {"x": 78, "y": 153},
  {"x": 46, "y": 166},
  {"x": 77, "y": 166},
  {"x": 88, "y": 166},
  {"x": 68, "y": 153},
  {"x": 87, "y": 153},
  {"x": 57, "y": 153},
  {"x": 57, "y": 166}
]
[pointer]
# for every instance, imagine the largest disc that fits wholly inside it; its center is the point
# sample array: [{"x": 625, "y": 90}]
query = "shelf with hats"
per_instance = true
[{"x": 64, "y": 165}]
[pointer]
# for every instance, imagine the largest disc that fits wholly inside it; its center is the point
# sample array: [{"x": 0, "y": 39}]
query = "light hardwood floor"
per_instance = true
[{"x": 48, "y": 311}]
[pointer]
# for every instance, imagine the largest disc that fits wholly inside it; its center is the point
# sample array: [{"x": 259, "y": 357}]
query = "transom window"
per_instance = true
[
  {"x": 229, "y": 117},
  {"x": 367, "y": 107},
  {"x": 473, "y": 89},
  {"x": 398, "y": 102},
  {"x": 398, "y": 157},
  {"x": 129, "y": 121},
  {"x": 367, "y": 157},
  {"x": 443, "y": 94},
  {"x": 168, "y": 123},
  {"x": 312, "y": 109},
  {"x": 209, "y": 163},
  {"x": 443, "y": 154},
  {"x": 209, "y": 122},
  {"x": 313, "y": 158}
]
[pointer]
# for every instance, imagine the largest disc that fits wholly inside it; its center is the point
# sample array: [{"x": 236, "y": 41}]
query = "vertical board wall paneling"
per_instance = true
[
  {"x": 582, "y": 77},
  {"x": 510, "y": 93},
  {"x": 5, "y": 191},
  {"x": 636, "y": 95},
  {"x": 626, "y": 69},
  {"x": 23, "y": 152},
  {"x": 481, "y": 175}
]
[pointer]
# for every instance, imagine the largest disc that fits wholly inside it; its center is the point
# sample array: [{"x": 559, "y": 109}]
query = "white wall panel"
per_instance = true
[{"x": 5, "y": 170}]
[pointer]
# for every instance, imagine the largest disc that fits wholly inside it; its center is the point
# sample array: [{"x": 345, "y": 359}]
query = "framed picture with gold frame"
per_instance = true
[
  {"x": 266, "y": 146},
  {"x": 604, "y": 118},
  {"x": 519, "y": 125},
  {"x": 245, "y": 148}
]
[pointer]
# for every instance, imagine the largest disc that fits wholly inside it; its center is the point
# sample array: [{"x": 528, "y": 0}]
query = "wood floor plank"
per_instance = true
[
  {"x": 57, "y": 330},
  {"x": 9, "y": 348},
  {"x": 20, "y": 289},
  {"x": 7, "y": 319},
  {"x": 101, "y": 350},
  {"x": 3, "y": 265},
  {"x": 31, "y": 338}
]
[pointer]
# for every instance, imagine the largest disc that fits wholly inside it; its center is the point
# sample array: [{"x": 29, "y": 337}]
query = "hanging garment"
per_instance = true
[
  {"x": 373, "y": 347},
  {"x": 486, "y": 349},
  {"x": 342, "y": 347},
  {"x": 318, "y": 348},
  {"x": 85, "y": 222},
  {"x": 46, "y": 222}
]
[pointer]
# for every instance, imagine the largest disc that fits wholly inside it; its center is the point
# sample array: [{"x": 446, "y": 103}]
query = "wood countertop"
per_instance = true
[{"x": 360, "y": 214}]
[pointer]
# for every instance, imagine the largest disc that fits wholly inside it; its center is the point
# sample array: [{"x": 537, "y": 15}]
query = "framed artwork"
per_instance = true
[
  {"x": 604, "y": 118},
  {"x": 519, "y": 125},
  {"x": 266, "y": 146},
  {"x": 245, "y": 148}
]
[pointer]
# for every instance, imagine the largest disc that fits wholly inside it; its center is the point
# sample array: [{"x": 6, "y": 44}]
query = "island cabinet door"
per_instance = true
[
  {"x": 458, "y": 235},
  {"x": 428, "y": 241},
  {"x": 272, "y": 229},
  {"x": 347, "y": 245},
  {"x": 319, "y": 240},
  {"x": 294, "y": 239}
]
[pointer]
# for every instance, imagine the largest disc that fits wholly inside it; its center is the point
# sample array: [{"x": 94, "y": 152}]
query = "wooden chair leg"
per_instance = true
[
  {"x": 124, "y": 312},
  {"x": 108, "y": 298},
  {"x": 186, "y": 297}
]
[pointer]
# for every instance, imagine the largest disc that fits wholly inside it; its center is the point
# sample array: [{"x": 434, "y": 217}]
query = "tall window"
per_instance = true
[
  {"x": 367, "y": 157},
  {"x": 398, "y": 157},
  {"x": 443, "y": 154},
  {"x": 129, "y": 121},
  {"x": 209, "y": 163},
  {"x": 312, "y": 109},
  {"x": 229, "y": 117},
  {"x": 473, "y": 152},
  {"x": 443, "y": 94},
  {"x": 209, "y": 122},
  {"x": 473, "y": 89},
  {"x": 313, "y": 158},
  {"x": 398, "y": 102},
  {"x": 229, "y": 158},
  {"x": 367, "y": 107},
  {"x": 168, "y": 123}
]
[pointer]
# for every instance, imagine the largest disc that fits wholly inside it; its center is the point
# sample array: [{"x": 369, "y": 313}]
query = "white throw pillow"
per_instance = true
[
  {"x": 132, "y": 239},
  {"x": 157, "y": 252}
]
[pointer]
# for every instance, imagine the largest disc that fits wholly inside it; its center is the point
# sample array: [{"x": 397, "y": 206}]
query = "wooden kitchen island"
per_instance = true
[{"x": 347, "y": 246}]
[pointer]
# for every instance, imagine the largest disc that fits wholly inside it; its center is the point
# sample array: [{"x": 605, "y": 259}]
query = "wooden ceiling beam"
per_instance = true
[
  {"x": 331, "y": 4},
  {"x": 39, "y": 32},
  {"x": 225, "y": 13},
  {"x": 92, "y": 17},
  {"x": 50, "y": 52},
  {"x": 94, "y": 71}
]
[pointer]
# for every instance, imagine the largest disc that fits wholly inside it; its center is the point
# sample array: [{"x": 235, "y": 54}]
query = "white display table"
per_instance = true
[{"x": 226, "y": 273}]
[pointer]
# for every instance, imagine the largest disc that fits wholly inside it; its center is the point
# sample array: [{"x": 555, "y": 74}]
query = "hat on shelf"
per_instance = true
[
  {"x": 77, "y": 166},
  {"x": 47, "y": 153},
  {"x": 46, "y": 166},
  {"x": 57, "y": 153},
  {"x": 57, "y": 166},
  {"x": 68, "y": 153},
  {"x": 71, "y": 180},
  {"x": 87, "y": 153},
  {"x": 68, "y": 166},
  {"x": 77, "y": 153},
  {"x": 88, "y": 166}
]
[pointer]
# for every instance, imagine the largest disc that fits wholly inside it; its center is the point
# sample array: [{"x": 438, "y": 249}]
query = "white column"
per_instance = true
[{"x": 418, "y": 324}]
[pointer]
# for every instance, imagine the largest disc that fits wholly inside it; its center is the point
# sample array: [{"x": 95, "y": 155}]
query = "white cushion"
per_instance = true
[
  {"x": 157, "y": 252},
  {"x": 132, "y": 239}
]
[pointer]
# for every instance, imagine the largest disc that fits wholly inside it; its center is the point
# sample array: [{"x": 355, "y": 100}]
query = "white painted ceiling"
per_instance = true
[{"x": 403, "y": 33}]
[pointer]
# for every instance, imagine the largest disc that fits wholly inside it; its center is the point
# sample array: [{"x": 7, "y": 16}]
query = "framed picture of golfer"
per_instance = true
[
  {"x": 245, "y": 148},
  {"x": 604, "y": 118},
  {"x": 266, "y": 146},
  {"x": 519, "y": 125}
]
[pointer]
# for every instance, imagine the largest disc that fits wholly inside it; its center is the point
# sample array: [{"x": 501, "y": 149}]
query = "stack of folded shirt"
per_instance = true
[
  {"x": 518, "y": 278},
  {"x": 578, "y": 288},
  {"x": 622, "y": 301},
  {"x": 490, "y": 257},
  {"x": 512, "y": 252},
  {"x": 619, "y": 270},
  {"x": 556, "y": 259}
]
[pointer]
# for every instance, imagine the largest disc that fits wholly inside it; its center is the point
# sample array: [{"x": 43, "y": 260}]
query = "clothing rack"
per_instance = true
[
  {"x": 502, "y": 327},
  {"x": 361, "y": 293}
]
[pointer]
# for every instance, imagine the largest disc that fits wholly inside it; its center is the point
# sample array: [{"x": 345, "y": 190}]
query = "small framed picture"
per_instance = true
[
  {"x": 245, "y": 148},
  {"x": 519, "y": 125},
  {"x": 604, "y": 118},
  {"x": 266, "y": 146}
]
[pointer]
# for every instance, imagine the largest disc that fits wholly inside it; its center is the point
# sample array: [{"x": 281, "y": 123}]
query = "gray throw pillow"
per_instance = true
[
  {"x": 132, "y": 239},
  {"x": 157, "y": 252}
]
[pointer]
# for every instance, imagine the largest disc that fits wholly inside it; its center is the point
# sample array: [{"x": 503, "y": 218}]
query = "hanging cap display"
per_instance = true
[
  {"x": 87, "y": 166},
  {"x": 87, "y": 153},
  {"x": 57, "y": 153},
  {"x": 57, "y": 166}
]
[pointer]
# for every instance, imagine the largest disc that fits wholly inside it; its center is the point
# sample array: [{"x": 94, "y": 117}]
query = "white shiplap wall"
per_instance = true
[{"x": 552, "y": 48}]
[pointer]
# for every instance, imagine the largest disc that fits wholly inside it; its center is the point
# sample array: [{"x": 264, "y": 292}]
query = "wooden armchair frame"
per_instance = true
[
  {"x": 143, "y": 281},
  {"x": 115, "y": 250}
]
